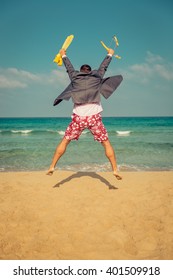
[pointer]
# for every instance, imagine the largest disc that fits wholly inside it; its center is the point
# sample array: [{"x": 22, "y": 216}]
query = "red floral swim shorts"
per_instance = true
[{"x": 93, "y": 123}]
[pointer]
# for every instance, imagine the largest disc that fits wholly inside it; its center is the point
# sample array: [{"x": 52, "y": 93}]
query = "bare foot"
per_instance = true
[
  {"x": 50, "y": 171},
  {"x": 117, "y": 176}
]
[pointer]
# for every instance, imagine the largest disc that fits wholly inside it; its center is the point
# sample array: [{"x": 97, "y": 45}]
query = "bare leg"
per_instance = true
[
  {"x": 60, "y": 150},
  {"x": 109, "y": 152}
]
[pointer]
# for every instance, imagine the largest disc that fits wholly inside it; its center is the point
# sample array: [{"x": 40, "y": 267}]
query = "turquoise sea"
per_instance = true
[{"x": 140, "y": 143}]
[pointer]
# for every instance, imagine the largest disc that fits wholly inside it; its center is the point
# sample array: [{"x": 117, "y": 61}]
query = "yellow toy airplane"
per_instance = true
[{"x": 117, "y": 44}]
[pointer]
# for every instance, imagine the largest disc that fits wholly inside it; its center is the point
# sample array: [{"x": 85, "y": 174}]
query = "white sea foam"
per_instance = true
[
  {"x": 87, "y": 167},
  {"x": 61, "y": 132},
  {"x": 85, "y": 132},
  {"x": 123, "y": 133},
  {"x": 26, "y": 131},
  {"x": 50, "y": 130},
  {"x": 104, "y": 167},
  {"x": 2, "y": 169}
]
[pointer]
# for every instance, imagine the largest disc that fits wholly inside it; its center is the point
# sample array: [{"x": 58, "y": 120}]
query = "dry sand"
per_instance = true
[{"x": 86, "y": 216}]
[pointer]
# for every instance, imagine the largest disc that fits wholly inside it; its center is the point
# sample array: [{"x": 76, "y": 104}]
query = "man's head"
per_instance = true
[{"x": 85, "y": 68}]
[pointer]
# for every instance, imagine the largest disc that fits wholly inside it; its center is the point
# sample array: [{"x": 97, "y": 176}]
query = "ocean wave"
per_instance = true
[
  {"x": 105, "y": 167},
  {"x": 85, "y": 131},
  {"x": 123, "y": 132},
  {"x": 61, "y": 132},
  {"x": 48, "y": 130},
  {"x": 26, "y": 131},
  {"x": 2, "y": 169},
  {"x": 86, "y": 167},
  {"x": 132, "y": 167},
  {"x": 161, "y": 145}
]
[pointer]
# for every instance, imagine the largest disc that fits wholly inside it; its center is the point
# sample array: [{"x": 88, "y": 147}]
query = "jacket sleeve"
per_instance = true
[
  {"x": 66, "y": 94},
  {"x": 69, "y": 67},
  {"x": 104, "y": 65}
]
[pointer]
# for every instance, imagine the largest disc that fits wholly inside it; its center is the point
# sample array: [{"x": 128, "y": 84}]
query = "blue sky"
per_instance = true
[{"x": 33, "y": 31}]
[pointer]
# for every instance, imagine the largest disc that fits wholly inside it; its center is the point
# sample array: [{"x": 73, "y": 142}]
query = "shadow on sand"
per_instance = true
[{"x": 82, "y": 174}]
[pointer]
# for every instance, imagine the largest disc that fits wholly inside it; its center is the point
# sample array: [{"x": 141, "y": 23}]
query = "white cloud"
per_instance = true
[
  {"x": 5, "y": 82},
  {"x": 153, "y": 67},
  {"x": 58, "y": 77},
  {"x": 142, "y": 68},
  {"x": 22, "y": 74},
  {"x": 164, "y": 71},
  {"x": 15, "y": 78},
  {"x": 151, "y": 58}
]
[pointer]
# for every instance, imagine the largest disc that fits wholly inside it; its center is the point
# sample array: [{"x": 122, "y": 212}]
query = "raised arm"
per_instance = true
[
  {"x": 67, "y": 63},
  {"x": 105, "y": 63}
]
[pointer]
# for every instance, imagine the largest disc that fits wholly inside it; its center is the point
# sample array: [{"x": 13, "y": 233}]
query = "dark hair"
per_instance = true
[{"x": 85, "y": 68}]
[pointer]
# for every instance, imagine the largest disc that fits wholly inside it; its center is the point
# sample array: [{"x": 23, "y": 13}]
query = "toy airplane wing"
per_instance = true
[
  {"x": 116, "y": 43},
  {"x": 67, "y": 42}
]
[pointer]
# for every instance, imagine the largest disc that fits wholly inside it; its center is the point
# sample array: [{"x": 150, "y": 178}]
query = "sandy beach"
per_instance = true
[{"x": 86, "y": 216}]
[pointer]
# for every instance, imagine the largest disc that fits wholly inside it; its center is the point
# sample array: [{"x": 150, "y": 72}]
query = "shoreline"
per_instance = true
[
  {"x": 86, "y": 215},
  {"x": 93, "y": 168}
]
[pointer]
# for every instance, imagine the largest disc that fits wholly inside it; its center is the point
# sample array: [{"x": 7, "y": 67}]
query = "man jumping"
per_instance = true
[{"x": 85, "y": 89}]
